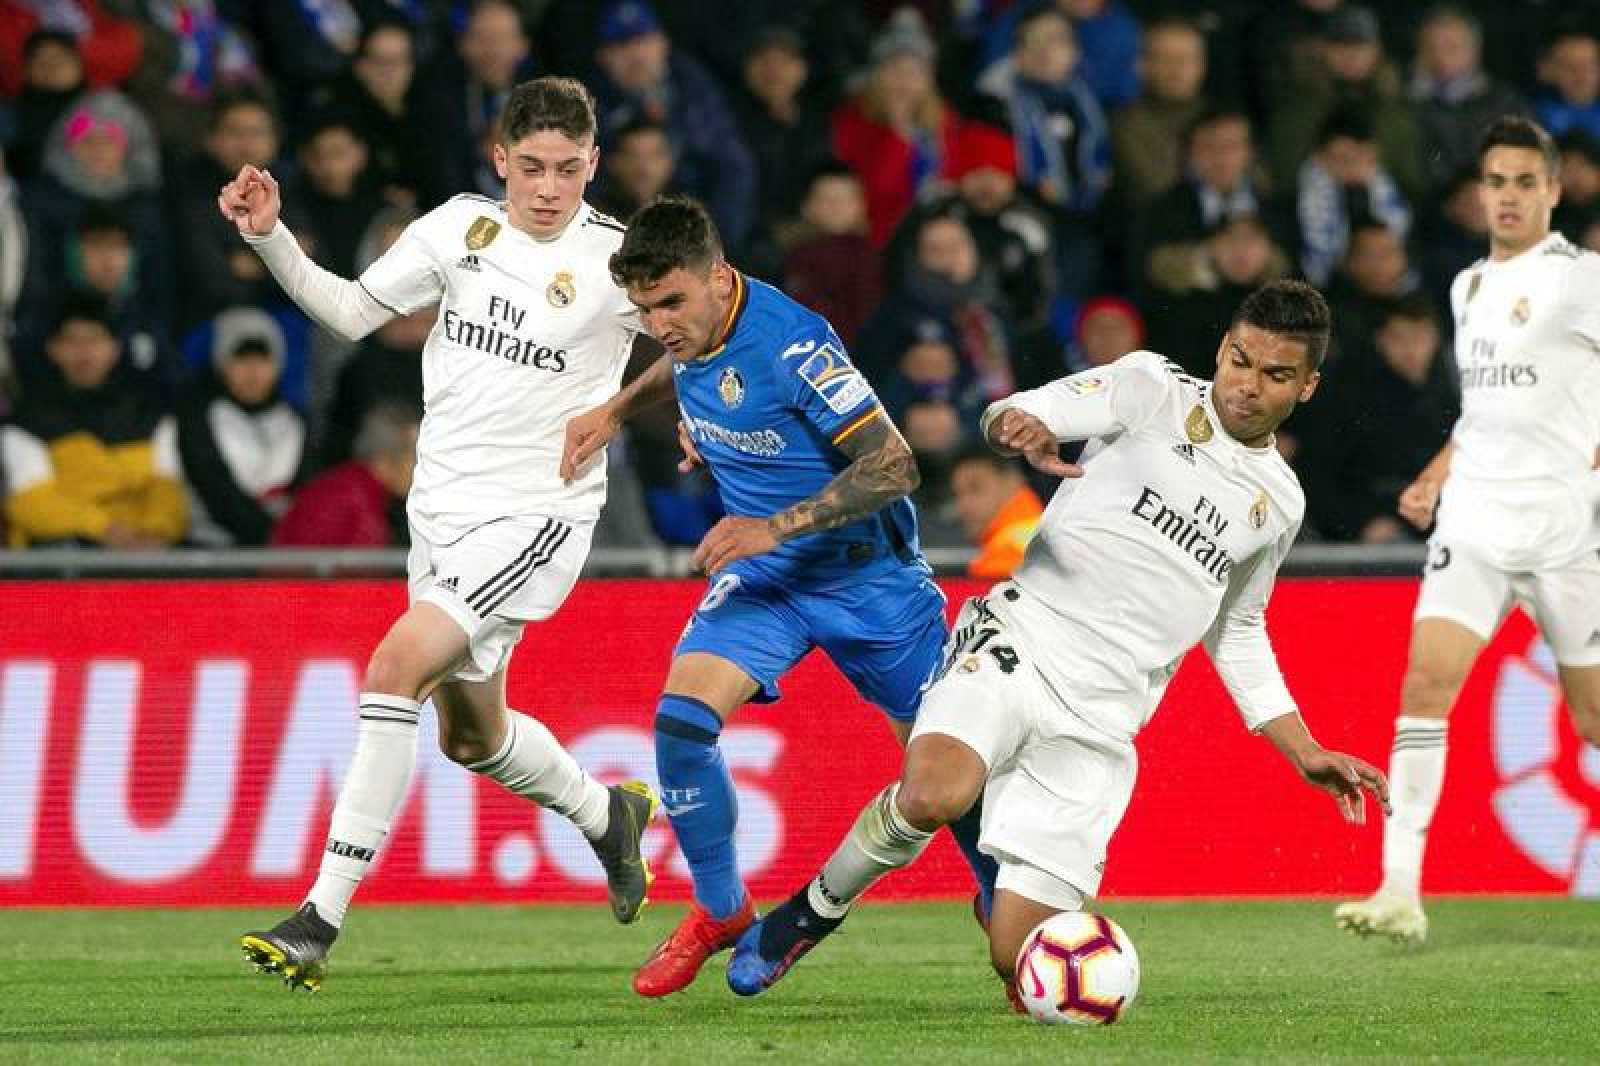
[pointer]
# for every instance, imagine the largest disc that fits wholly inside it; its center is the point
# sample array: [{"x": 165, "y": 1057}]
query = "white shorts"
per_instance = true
[
  {"x": 1458, "y": 584},
  {"x": 1057, "y": 786},
  {"x": 495, "y": 578}
]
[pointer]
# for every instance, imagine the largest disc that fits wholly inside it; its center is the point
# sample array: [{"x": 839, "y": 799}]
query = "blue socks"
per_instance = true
[
  {"x": 984, "y": 868},
  {"x": 697, "y": 792}
]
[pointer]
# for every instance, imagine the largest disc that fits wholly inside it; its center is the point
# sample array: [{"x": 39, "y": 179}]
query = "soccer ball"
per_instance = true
[{"x": 1077, "y": 968}]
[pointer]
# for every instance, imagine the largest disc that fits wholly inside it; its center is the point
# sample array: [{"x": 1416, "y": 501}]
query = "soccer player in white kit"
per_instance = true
[
  {"x": 1169, "y": 534},
  {"x": 531, "y": 331},
  {"x": 1515, "y": 491}
]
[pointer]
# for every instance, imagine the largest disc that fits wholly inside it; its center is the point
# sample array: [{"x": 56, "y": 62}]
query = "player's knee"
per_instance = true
[
  {"x": 1586, "y": 718},
  {"x": 1429, "y": 689},
  {"x": 469, "y": 747},
  {"x": 928, "y": 803},
  {"x": 389, "y": 671}
]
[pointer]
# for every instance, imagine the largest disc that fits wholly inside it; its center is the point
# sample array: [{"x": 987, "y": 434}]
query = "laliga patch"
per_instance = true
[
  {"x": 836, "y": 380},
  {"x": 1085, "y": 386}
]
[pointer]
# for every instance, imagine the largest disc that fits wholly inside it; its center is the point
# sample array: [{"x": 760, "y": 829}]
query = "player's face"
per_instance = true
[
  {"x": 1260, "y": 377},
  {"x": 545, "y": 175},
  {"x": 685, "y": 309},
  {"x": 1518, "y": 193}
]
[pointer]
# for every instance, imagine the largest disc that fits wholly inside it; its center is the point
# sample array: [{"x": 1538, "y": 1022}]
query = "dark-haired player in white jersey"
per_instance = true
[
  {"x": 1169, "y": 535},
  {"x": 531, "y": 331},
  {"x": 1515, "y": 492}
]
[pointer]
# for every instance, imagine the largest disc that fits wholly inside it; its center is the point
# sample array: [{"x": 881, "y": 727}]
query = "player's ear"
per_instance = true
[
  {"x": 1310, "y": 386},
  {"x": 1222, "y": 346},
  {"x": 594, "y": 163},
  {"x": 501, "y": 160}
]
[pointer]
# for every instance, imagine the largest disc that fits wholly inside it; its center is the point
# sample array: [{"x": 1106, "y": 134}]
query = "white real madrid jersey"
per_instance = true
[
  {"x": 1527, "y": 347},
  {"x": 1173, "y": 535},
  {"x": 529, "y": 334}
]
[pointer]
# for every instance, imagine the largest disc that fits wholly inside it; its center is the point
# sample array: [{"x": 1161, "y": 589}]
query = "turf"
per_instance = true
[{"x": 1223, "y": 981}]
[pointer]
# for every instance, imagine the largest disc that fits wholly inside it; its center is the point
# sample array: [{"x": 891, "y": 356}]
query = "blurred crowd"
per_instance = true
[{"x": 982, "y": 195}]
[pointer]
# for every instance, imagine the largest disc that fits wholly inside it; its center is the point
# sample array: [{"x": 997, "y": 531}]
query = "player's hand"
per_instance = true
[
  {"x": 1418, "y": 502},
  {"x": 251, "y": 201},
  {"x": 1343, "y": 777},
  {"x": 691, "y": 454},
  {"x": 735, "y": 537},
  {"x": 1019, "y": 431},
  {"x": 587, "y": 434}
]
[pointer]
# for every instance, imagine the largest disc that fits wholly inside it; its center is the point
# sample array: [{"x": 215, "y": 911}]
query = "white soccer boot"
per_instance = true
[{"x": 1392, "y": 914}]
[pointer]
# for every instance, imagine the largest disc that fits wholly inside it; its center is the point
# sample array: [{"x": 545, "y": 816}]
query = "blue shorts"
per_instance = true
[{"x": 884, "y": 633}]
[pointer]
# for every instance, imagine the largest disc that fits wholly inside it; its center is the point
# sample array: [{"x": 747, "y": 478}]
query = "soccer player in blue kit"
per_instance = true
[{"x": 818, "y": 549}]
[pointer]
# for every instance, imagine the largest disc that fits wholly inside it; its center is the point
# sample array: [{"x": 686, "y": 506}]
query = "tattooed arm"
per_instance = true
[{"x": 881, "y": 471}]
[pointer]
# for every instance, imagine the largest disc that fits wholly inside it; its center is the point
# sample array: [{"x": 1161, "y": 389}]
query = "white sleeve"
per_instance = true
[
  {"x": 164, "y": 449},
  {"x": 1094, "y": 403},
  {"x": 337, "y": 304},
  {"x": 1238, "y": 644},
  {"x": 1583, "y": 298},
  {"x": 24, "y": 459}
]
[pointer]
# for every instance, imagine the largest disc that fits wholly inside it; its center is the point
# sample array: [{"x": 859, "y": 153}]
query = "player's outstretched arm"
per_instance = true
[
  {"x": 1016, "y": 432},
  {"x": 588, "y": 434},
  {"x": 1341, "y": 776},
  {"x": 881, "y": 471}
]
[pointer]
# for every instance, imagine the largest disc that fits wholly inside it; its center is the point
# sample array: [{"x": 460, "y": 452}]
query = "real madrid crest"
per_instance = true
[
  {"x": 561, "y": 292},
  {"x": 1258, "y": 510},
  {"x": 1520, "y": 313},
  {"x": 481, "y": 233},
  {"x": 1197, "y": 425},
  {"x": 731, "y": 387}
]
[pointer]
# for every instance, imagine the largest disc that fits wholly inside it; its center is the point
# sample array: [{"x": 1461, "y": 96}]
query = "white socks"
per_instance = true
[
  {"x": 533, "y": 764},
  {"x": 1416, "y": 772},
  {"x": 380, "y": 773},
  {"x": 880, "y": 841}
]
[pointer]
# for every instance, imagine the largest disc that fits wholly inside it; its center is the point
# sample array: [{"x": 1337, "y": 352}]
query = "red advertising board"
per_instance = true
[{"x": 181, "y": 742}]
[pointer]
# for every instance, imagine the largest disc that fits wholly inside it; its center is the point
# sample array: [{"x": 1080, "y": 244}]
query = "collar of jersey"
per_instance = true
[
  {"x": 1532, "y": 250},
  {"x": 741, "y": 296}
]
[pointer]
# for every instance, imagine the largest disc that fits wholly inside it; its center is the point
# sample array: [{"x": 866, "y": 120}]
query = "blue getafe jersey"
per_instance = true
[{"x": 767, "y": 411}]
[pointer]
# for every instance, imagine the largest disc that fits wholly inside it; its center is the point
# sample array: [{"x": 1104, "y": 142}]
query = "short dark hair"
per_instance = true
[
  {"x": 233, "y": 99},
  {"x": 1291, "y": 309},
  {"x": 1515, "y": 131},
  {"x": 43, "y": 38},
  {"x": 1414, "y": 307},
  {"x": 1213, "y": 115},
  {"x": 672, "y": 232},
  {"x": 102, "y": 218},
  {"x": 82, "y": 305},
  {"x": 633, "y": 126},
  {"x": 550, "y": 103},
  {"x": 1347, "y": 123},
  {"x": 979, "y": 453}
]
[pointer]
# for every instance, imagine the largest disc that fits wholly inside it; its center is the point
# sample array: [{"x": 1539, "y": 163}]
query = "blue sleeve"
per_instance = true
[{"x": 824, "y": 385}]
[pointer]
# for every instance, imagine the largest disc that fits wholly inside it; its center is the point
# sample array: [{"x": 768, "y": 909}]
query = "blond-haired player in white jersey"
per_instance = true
[
  {"x": 1169, "y": 535},
  {"x": 1515, "y": 492},
  {"x": 531, "y": 331}
]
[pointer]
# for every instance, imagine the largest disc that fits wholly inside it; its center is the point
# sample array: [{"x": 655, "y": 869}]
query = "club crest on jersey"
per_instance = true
[
  {"x": 481, "y": 233},
  {"x": 561, "y": 292},
  {"x": 1197, "y": 425},
  {"x": 731, "y": 388},
  {"x": 1258, "y": 511},
  {"x": 1521, "y": 312}
]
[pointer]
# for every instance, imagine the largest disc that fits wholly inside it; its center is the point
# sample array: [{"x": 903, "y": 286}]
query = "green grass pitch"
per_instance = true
[{"x": 1223, "y": 982}]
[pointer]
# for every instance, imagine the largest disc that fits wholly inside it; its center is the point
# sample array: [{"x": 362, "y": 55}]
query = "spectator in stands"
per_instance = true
[
  {"x": 192, "y": 52},
  {"x": 1107, "y": 32},
  {"x": 1340, "y": 185},
  {"x": 831, "y": 264},
  {"x": 1569, "y": 70},
  {"x": 1220, "y": 183},
  {"x": 1013, "y": 233},
  {"x": 464, "y": 100},
  {"x": 306, "y": 42},
  {"x": 1454, "y": 99},
  {"x": 782, "y": 123},
  {"x": 930, "y": 370},
  {"x": 949, "y": 289},
  {"x": 999, "y": 512},
  {"x": 381, "y": 95},
  {"x": 1285, "y": 43},
  {"x": 13, "y": 267},
  {"x": 1147, "y": 134},
  {"x": 1579, "y": 207},
  {"x": 635, "y": 169},
  {"x": 108, "y": 43},
  {"x": 1106, "y": 329},
  {"x": 896, "y": 132},
  {"x": 1197, "y": 287},
  {"x": 1453, "y": 235},
  {"x": 52, "y": 78},
  {"x": 103, "y": 258},
  {"x": 359, "y": 503},
  {"x": 338, "y": 195},
  {"x": 1375, "y": 272},
  {"x": 90, "y": 456},
  {"x": 241, "y": 446},
  {"x": 643, "y": 77},
  {"x": 102, "y": 156},
  {"x": 1352, "y": 76},
  {"x": 1379, "y": 420}
]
